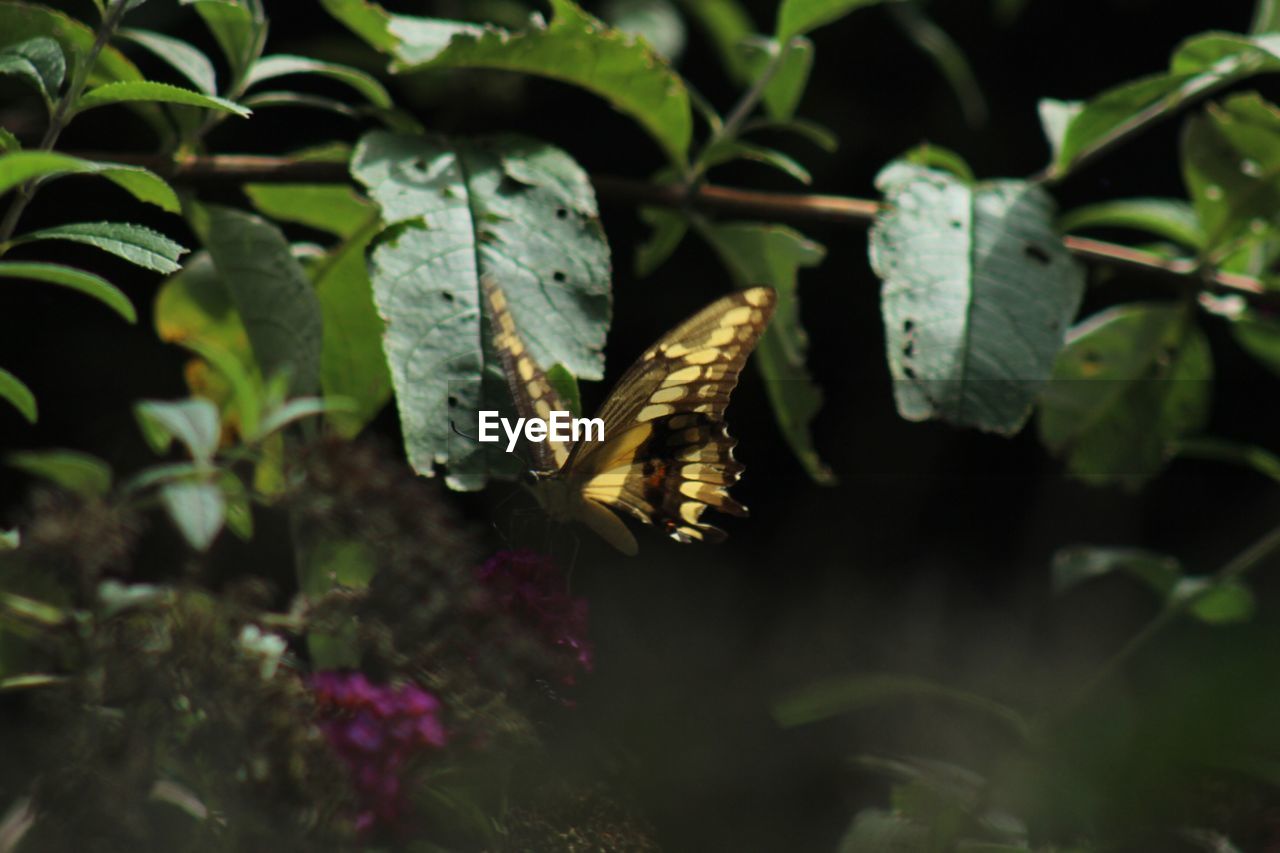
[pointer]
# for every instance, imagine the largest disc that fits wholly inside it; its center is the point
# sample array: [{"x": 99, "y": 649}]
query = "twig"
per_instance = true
[{"x": 231, "y": 169}]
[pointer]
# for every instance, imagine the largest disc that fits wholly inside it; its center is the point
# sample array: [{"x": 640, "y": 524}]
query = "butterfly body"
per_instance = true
[{"x": 666, "y": 454}]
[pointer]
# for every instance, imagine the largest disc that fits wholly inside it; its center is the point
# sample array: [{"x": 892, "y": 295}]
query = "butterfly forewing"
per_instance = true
[
  {"x": 667, "y": 453},
  {"x": 533, "y": 394}
]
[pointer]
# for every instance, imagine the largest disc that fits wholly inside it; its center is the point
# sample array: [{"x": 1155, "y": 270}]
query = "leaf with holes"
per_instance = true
[
  {"x": 1130, "y": 382},
  {"x": 506, "y": 206},
  {"x": 978, "y": 293}
]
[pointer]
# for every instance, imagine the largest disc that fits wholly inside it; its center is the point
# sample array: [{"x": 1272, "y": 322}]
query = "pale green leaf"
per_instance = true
[
  {"x": 37, "y": 60},
  {"x": 271, "y": 291},
  {"x": 197, "y": 509},
  {"x": 1131, "y": 381},
  {"x": 1223, "y": 603},
  {"x": 783, "y": 92},
  {"x": 978, "y": 294},
  {"x": 85, "y": 282},
  {"x": 15, "y": 392},
  {"x": 796, "y": 17},
  {"x": 936, "y": 157},
  {"x": 10, "y": 538},
  {"x": 510, "y": 207},
  {"x": 271, "y": 67},
  {"x": 179, "y": 55},
  {"x": 72, "y": 470},
  {"x": 774, "y": 255},
  {"x": 655, "y": 21},
  {"x": 1266, "y": 17},
  {"x": 136, "y": 243},
  {"x": 193, "y": 423},
  {"x": 148, "y": 90},
  {"x": 1170, "y": 218},
  {"x": 367, "y": 20}
]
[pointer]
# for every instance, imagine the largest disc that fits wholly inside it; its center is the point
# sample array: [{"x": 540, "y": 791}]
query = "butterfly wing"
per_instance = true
[
  {"x": 533, "y": 394},
  {"x": 667, "y": 453}
]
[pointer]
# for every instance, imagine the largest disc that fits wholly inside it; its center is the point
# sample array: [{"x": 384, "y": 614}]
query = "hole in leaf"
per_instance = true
[
  {"x": 446, "y": 296},
  {"x": 559, "y": 276},
  {"x": 957, "y": 224},
  {"x": 1036, "y": 253},
  {"x": 419, "y": 164},
  {"x": 561, "y": 213},
  {"x": 909, "y": 373},
  {"x": 908, "y": 326},
  {"x": 909, "y": 350},
  {"x": 453, "y": 401}
]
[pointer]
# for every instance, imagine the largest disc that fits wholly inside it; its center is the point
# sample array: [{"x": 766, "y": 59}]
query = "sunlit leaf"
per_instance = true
[
  {"x": 978, "y": 293},
  {"x": 148, "y": 90},
  {"x": 193, "y": 423},
  {"x": 281, "y": 65},
  {"x": 197, "y": 509},
  {"x": 136, "y": 243},
  {"x": 511, "y": 207},
  {"x": 179, "y": 55},
  {"x": 17, "y": 167},
  {"x": 936, "y": 157}
]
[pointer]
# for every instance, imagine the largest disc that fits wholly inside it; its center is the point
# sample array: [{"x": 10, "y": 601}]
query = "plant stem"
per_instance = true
[
  {"x": 62, "y": 114},
  {"x": 737, "y": 116},
  {"x": 1234, "y": 569}
]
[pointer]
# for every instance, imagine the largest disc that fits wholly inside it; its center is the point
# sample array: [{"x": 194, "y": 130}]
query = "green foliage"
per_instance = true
[
  {"x": 147, "y": 90},
  {"x": 1169, "y": 218},
  {"x": 1131, "y": 381},
  {"x": 19, "y": 166},
  {"x": 962, "y": 266},
  {"x": 135, "y": 243},
  {"x": 74, "y": 471},
  {"x": 796, "y": 17},
  {"x": 85, "y": 282},
  {"x": 573, "y": 47},
  {"x": 459, "y": 210}
]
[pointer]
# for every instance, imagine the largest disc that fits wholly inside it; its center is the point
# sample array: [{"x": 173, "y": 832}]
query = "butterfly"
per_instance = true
[{"x": 667, "y": 454}]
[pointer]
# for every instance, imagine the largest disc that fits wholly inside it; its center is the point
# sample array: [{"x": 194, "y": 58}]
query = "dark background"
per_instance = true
[{"x": 931, "y": 557}]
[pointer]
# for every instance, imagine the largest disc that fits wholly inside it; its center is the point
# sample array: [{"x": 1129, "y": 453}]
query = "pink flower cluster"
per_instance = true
[
  {"x": 530, "y": 588},
  {"x": 377, "y": 730}
]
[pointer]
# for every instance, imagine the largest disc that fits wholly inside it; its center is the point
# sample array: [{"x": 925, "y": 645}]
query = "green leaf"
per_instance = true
[
  {"x": 1266, "y": 17},
  {"x": 820, "y": 136},
  {"x": 179, "y": 55},
  {"x": 840, "y": 695},
  {"x": 336, "y": 209},
  {"x": 367, "y": 20},
  {"x": 1231, "y": 164},
  {"x": 10, "y": 539},
  {"x": 565, "y": 384},
  {"x": 274, "y": 298},
  {"x": 235, "y": 29},
  {"x": 1222, "y": 602},
  {"x": 17, "y": 167},
  {"x": 726, "y": 24},
  {"x": 782, "y": 94},
  {"x": 74, "y": 471},
  {"x": 295, "y": 410},
  {"x": 1259, "y": 335},
  {"x": 669, "y": 228},
  {"x": 796, "y": 17},
  {"x": 39, "y": 61},
  {"x": 271, "y": 67},
  {"x": 136, "y": 243},
  {"x": 20, "y": 21},
  {"x": 1131, "y": 381},
  {"x": 239, "y": 505},
  {"x": 148, "y": 90},
  {"x": 15, "y": 392},
  {"x": 936, "y": 157},
  {"x": 192, "y": 422},
  {"x": 1072, "y": 566},
  {"x": 773, "y": 255},
  {"x": 1170, "y": 218},
  {"x": 962, "y": 267},
  {"x": 731, "y": 149},
  {"x": 8, "y": 142},
  {"x": 352, "y": 363},
  {"x": 85, "y": 282},
  {"x": 574, "y": 48},
  {"x": 507, "y": 206},
  {"x": 198, "y": 510}
]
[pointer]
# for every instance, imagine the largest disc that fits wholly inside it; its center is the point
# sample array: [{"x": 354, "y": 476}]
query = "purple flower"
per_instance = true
[
  {"x": 530, "y": 588},
  {"x": 376, "y": 730}
]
